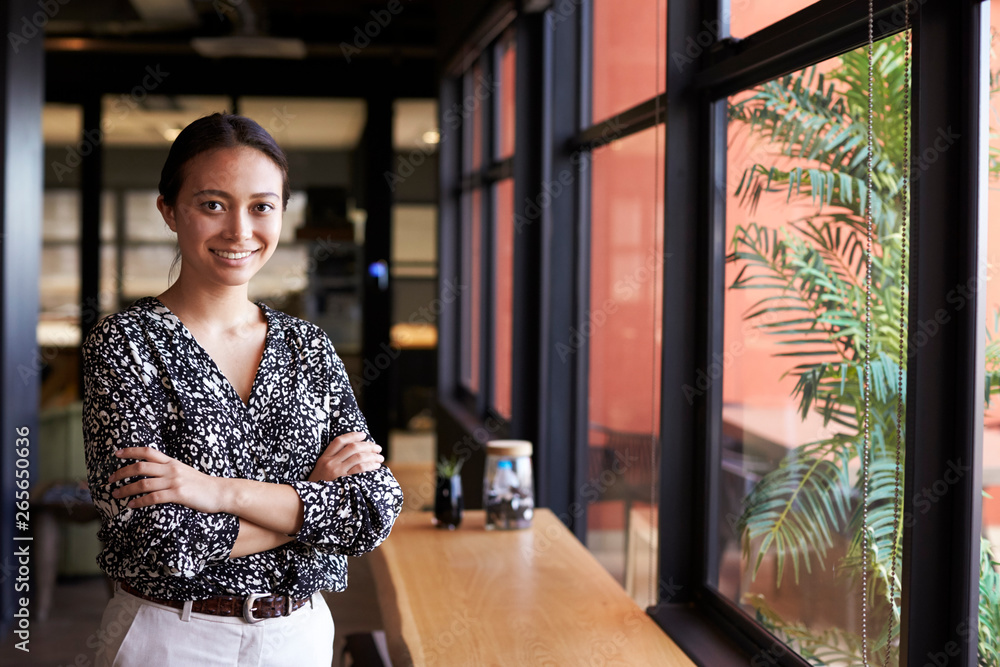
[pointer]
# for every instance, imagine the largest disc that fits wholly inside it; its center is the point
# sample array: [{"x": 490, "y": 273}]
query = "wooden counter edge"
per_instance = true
[{"x": 391, "y": 600}]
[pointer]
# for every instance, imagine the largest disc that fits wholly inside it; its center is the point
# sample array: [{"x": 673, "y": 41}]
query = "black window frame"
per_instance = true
[
  {"x": 459, "y": 179},
  {"x": 483, "y": 50},
  {"x": 941, "y": 426},
  {"x": 948, "y": 224}
]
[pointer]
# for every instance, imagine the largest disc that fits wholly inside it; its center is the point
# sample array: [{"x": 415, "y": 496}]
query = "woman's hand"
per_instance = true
[
  {"x": 345, "y": 455},
  {"x": 167, "y": 481}
]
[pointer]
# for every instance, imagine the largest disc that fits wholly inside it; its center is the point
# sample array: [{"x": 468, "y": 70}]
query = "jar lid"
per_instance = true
[{"x": 508, "y": 448}]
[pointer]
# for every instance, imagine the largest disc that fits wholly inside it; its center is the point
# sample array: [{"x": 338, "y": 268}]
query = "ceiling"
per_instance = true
[
  {"x": 310, "y": 32},
  {"x": 321, "y": 25}
]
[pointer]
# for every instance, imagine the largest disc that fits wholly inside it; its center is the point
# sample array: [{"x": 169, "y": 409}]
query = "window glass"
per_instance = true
[
  {"x": 629, "y": 38},
  {"x": 477, "y": 89},
  {"x": 989, "y": 618},
  {"x": 788, "y": 532},
  {"x": 748, "y": 17},
  {"x": 503, "y": 300},
  {"x": 472, "y": 297},
  {"x": 506, "y": 65},
  {"x": 622, "y": 329}
]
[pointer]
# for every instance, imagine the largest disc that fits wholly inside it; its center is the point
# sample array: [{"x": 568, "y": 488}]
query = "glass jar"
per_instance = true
[{"x": 508, "y": 487}]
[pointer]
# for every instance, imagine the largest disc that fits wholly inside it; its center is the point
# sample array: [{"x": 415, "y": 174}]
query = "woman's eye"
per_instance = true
[
  {"x": 213, "y": 205},
  {"x": 263, "y": 208}
]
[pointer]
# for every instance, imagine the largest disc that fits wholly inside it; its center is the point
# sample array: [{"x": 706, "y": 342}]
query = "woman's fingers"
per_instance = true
[
  {"x": 345, "y": 455},
  {"x": 154, "y": 498},
  {"x": 342, "y": 441},
  {"x": 147, "y": 485},
  {"x": 363, "y": 452},
  {"x": 164, "y": 479},
  {"x": 135, "y": 470},
  {"x": 364, "y": 467},
  {"x": 143, "y": 453}
]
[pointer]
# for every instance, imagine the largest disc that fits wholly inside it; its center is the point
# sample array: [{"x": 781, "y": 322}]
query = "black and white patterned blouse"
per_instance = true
[{"x": 148, "y": 382}]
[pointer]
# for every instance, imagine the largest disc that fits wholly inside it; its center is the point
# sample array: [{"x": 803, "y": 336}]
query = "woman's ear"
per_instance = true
[{"x": 167, "y": 211}]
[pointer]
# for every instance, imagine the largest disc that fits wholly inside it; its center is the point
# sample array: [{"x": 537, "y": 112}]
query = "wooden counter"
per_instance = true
[{"x": 529, "y": 597}]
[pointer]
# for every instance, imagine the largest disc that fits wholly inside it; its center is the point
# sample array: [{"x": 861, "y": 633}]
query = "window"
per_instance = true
[
  {"x": 503, "y": 295},
  {"x": 989, "y": 537},
  {"x": 746, "y": 18},
  {"x": 622, "y": 330},
  {"x": 503, "y": 224},
  {"x": 627, "y": 62},
  {"x": 486, "y": 205},
  {"x": 472, "y": 229},
  {"x": 619, "y": 324},
  {"x": 753, "y": 433},
  {"x": 712, "y": 157},
  {"x": 507, "y": 82},
  {"x": 790, "y": 487}
]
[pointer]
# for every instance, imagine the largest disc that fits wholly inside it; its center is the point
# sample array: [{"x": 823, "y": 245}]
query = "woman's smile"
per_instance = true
[{"x": 234, "y": 255}]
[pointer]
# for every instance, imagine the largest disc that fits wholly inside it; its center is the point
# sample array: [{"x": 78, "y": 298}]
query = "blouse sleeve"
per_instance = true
[
  {"x": 352, "y": 514},
  {"x": 117, "y": 413}
]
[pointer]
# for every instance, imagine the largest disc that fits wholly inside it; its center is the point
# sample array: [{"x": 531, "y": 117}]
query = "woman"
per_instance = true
[{"x": 226, "y": 454}]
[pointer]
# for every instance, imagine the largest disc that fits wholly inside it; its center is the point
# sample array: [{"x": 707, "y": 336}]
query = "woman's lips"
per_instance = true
[{"x": 225, "y": 254}]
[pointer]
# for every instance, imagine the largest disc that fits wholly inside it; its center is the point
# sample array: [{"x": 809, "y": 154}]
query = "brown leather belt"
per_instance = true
[{"x": 253, "y": 608}]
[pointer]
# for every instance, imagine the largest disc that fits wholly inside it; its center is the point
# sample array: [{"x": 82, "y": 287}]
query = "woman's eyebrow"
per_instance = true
[
  {"x": 223, "y": 193},
  {"x": 214, "y": 193}
]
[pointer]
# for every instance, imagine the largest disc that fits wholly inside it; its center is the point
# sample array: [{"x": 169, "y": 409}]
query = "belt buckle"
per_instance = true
[{"x": 248, "y": 607}]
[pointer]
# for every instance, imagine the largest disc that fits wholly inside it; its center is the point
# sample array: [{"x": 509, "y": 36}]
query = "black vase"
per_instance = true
[{"x": 448, "y": 502}]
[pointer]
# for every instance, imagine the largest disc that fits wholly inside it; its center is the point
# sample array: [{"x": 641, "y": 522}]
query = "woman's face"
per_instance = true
[{"x": 227, "y": 216}]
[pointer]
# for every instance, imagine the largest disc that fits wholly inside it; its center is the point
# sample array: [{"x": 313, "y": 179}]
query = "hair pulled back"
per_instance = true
[{"x": 210, "y": 133}]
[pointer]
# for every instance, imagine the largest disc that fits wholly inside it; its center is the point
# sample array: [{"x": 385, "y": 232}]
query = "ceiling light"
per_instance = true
[
  {"x": 432, "y": 137},
  {"x": 246, "y": 46}
]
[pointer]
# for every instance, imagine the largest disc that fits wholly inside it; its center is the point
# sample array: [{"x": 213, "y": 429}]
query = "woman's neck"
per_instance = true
[{"x": 214, "y": 310}]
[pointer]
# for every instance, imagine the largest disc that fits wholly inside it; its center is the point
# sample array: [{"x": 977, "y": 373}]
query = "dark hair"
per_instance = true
[{"x": 210, "y": 133}]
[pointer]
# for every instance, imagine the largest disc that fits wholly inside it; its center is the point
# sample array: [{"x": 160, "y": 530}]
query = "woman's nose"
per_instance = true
[{"x": 238, "y": 226}]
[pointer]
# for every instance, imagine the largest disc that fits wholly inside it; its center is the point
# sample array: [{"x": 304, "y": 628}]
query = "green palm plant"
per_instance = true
[{"x": 812, "y": 273}]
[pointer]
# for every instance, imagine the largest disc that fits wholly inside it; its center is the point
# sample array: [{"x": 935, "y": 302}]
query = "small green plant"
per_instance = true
[{"x": 449, "y": 467}]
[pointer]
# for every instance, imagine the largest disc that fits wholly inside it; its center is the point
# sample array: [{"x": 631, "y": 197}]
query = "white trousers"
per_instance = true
[{"x": 139, "y": 633}]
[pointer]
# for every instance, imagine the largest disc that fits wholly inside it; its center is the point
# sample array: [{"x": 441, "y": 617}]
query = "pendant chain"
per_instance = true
[
  {"x": 868, "y": 339},
  {"x": 903, "y": 300},
  {"x": 903, "y": 287}
]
